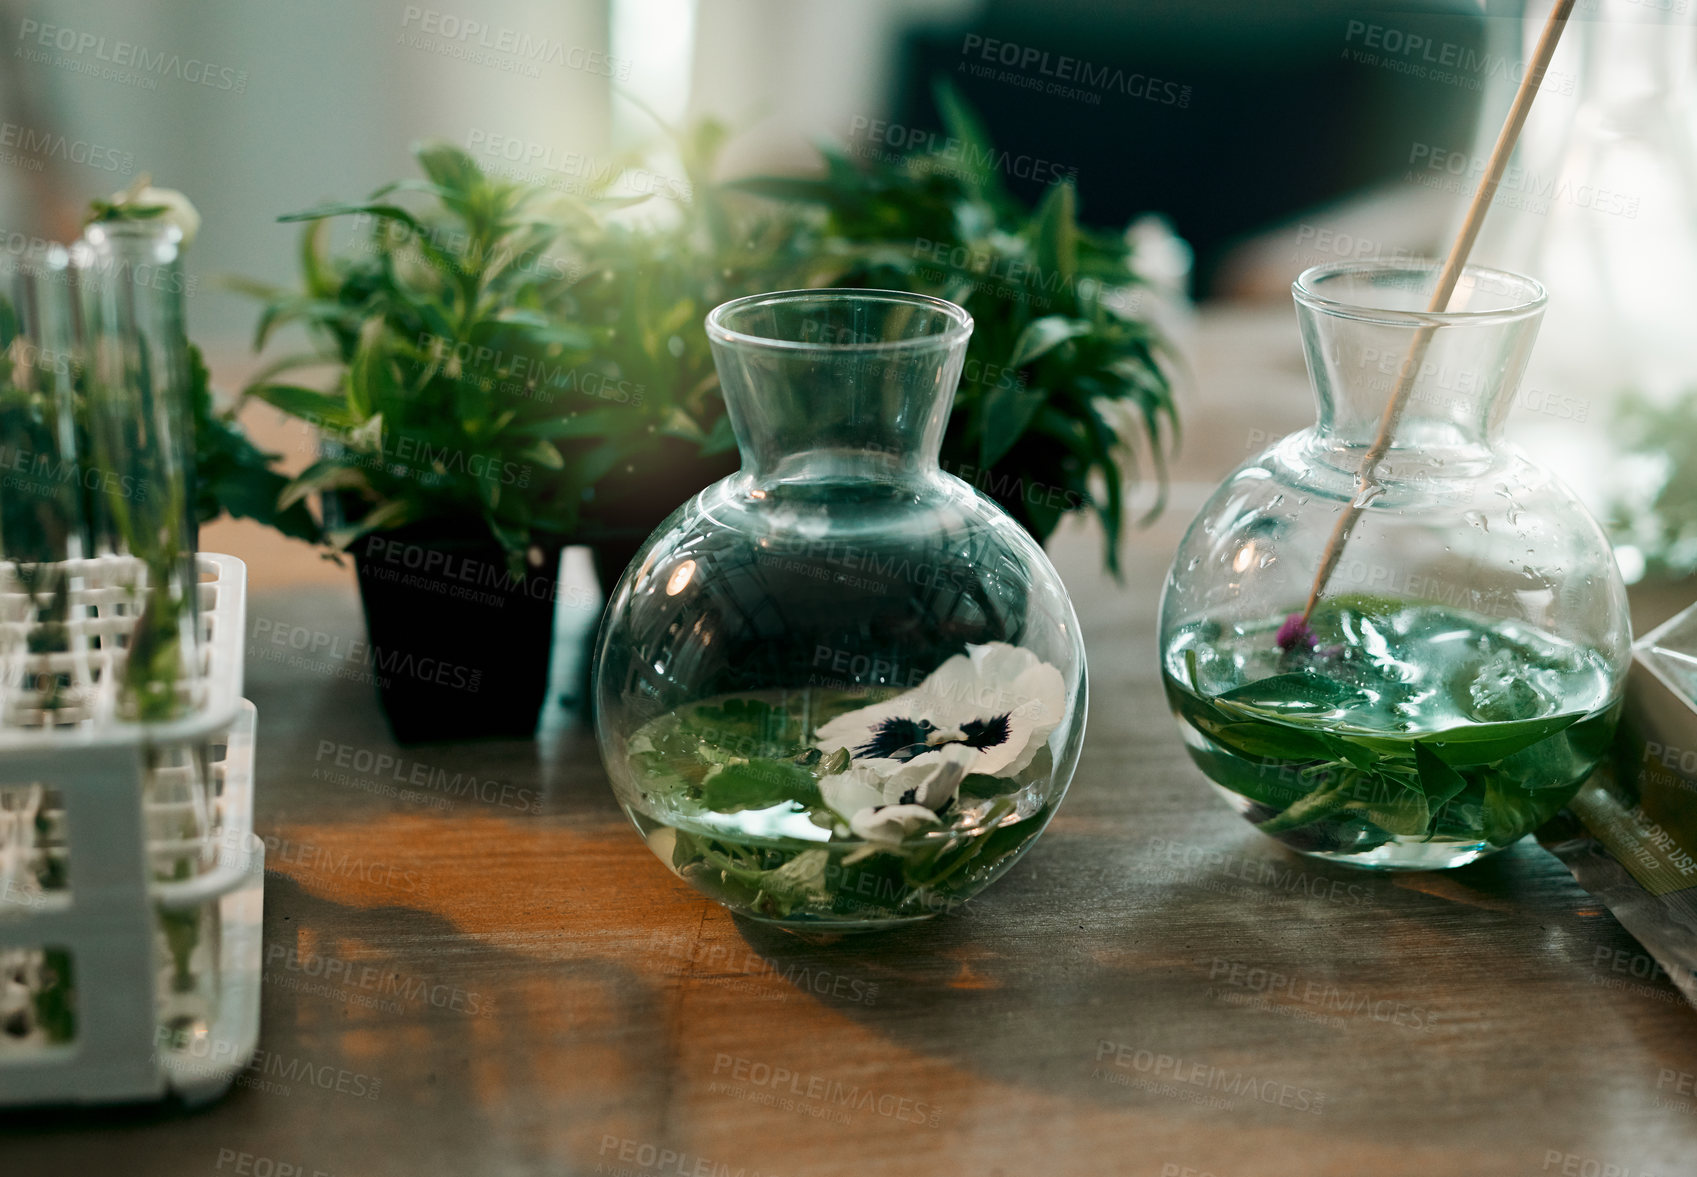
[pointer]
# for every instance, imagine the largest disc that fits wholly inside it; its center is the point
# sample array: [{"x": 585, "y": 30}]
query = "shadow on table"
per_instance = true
[
  {"x": 1232, "y": 969},
  {"x": 415, "y": 1015}
]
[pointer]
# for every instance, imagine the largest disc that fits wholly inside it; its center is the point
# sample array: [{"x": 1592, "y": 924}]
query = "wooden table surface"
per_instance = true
[{"x": 1156, "y": 989}]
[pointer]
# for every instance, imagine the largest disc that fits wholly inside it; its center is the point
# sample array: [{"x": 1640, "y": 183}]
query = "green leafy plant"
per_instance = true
[
  {"x": 506, "y": 356},
  {"x": 1494, "y": 781},
  {"x": 414, "y": 430},
  {"x": 533, "y": 364},
  {"x": 134, "y": 395},
  {"x": 1061, "y": 372}
]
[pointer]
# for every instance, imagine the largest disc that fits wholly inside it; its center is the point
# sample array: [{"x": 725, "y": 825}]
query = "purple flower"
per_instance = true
[{"x": 1295, "y": 632}]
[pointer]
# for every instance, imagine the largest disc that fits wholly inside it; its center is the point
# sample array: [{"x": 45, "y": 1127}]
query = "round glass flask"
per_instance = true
[
  {"x": 1460, "y": 673},
  {"x": 841, "y": 689}
]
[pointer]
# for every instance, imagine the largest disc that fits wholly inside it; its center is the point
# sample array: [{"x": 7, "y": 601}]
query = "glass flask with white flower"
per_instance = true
[{"x": 841, "y": 689}]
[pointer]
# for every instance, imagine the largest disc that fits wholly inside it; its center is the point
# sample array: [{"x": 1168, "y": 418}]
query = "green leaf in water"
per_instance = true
[
  {"x": 1332, "y": 794},
  {"x": 1293, "y": 695},
  {"x": 1487, "y": 743},
  {"x": 1396, "y": 809},
  {"x": 1509, "y": 812},
  {"x": 758, "y": 784},
  {"x": 835, "y": 764},
  {"x": 800, "y": 880},
  {"x": 1440, "y": 781},
  {"x": 978, "y": 786}
]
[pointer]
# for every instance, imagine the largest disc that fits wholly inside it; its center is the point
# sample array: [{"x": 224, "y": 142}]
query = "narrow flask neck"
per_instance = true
[
  {"x": 839, "y": 384},
  {"x": 821, "y": 415},
  {"x": 1445, "y": 407},
  {"x": 1452, "y": 377}
]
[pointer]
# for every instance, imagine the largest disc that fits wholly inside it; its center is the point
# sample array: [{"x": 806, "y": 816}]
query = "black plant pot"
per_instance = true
[{"x": 459, "y": 647}]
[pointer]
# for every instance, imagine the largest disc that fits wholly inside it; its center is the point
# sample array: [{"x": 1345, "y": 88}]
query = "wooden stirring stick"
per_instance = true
[{"x": 1440, "y": 300}]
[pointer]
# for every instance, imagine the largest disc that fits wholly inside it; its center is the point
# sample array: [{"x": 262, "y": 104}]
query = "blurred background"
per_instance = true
[
  {"x": 1227, "y": 116},
  {"x": 1267, "y": 135}
]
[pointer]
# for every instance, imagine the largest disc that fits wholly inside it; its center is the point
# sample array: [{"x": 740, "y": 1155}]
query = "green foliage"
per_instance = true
[
  {"x": 1661, "y": 521},
  {"x": 714, "y": 759},
  {"x": 1279, "y": 743},
  {"x": 923, "y": 878},
  {"x": 443, "y": 330},
  {"x": 514, "y": 357},
  {"x": 1061, "y": 371},
  {"x": 508, "y": 356},
  {"x": 233, "y": 475}
]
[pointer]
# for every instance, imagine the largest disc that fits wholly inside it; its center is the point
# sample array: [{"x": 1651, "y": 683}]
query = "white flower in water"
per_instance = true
[
  {"x": 999, "y": 700},
  {"x": 887, "y": 801}
]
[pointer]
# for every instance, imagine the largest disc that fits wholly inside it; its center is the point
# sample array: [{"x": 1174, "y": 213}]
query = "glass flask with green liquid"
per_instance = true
[{"x": 1460, "y": 671}]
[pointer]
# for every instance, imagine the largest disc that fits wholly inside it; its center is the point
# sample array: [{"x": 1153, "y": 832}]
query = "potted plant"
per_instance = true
[
  {"x": 1063, "y": 371},
  {"x": 517, "y": 369},
  {"x": 458, "y": 440}
]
